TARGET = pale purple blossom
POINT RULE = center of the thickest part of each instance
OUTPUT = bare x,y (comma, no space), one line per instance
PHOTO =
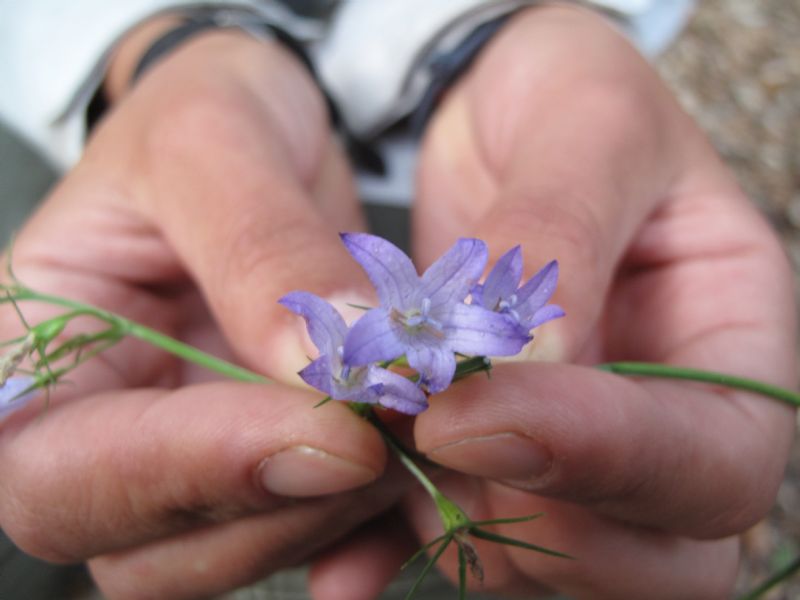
15,393
425,318
328,373
526,305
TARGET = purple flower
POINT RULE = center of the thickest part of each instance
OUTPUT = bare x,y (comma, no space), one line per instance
15,393
425,318
526,305
368,384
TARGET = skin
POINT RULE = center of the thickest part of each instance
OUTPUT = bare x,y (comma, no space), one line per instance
215,186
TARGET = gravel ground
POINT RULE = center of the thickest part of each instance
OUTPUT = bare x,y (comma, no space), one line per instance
737,70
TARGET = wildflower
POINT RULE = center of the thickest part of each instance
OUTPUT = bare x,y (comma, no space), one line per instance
368,384
425,318
15,393
526,305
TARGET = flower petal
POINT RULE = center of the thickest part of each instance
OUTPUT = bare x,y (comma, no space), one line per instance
372,339
318,375
398,392
503,279
451,277
436,365
388,268
326,327
366,394
477,331
538,289
16,393
477,295
544,314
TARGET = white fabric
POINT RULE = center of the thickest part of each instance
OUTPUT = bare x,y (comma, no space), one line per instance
53,53
367,37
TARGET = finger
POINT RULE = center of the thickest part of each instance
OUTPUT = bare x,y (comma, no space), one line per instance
363,565
222,557
250,243
128,467
565,157
610,560
250,207
682,458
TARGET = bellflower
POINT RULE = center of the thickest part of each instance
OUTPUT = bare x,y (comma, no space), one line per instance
15,393
526,305
367,384
425,318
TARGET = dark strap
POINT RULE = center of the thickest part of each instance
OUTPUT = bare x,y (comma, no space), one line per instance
447,67
175,37
171,40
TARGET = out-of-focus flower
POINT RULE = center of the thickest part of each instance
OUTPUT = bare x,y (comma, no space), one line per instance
15,393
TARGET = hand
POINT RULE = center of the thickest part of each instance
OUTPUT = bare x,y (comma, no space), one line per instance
562,139
215,184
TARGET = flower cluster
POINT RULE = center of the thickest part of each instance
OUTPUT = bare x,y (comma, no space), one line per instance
426,319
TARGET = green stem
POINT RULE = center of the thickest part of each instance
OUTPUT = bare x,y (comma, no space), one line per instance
402,455
775,579
668,371
194,355
730,381
151,336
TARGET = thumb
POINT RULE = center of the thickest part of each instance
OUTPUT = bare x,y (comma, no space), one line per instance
248,208
561,157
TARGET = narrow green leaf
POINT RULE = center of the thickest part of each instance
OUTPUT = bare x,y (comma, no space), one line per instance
428,566
422,551
501,539
508,520
775,579
325,400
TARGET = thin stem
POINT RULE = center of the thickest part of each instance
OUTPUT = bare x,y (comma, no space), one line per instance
151,336
462,574
775,579
190,353
668,371
405,459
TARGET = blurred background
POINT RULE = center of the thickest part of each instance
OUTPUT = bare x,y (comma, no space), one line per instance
736,69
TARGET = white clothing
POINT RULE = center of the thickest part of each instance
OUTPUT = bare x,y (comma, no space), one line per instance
55,52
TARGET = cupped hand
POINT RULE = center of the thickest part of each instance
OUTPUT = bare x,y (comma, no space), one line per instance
213,188
562,139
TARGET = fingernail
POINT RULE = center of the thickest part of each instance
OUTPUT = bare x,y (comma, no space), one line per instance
497,456
302,471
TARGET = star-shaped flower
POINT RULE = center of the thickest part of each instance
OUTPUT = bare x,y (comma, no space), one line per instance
526,305
425,318
367,384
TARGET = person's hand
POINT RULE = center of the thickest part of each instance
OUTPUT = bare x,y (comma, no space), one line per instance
561,138
211,190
